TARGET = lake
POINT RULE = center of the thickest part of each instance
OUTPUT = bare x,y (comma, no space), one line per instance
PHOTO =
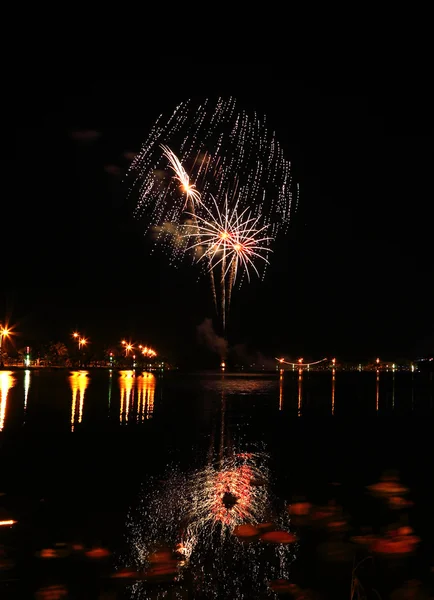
80,451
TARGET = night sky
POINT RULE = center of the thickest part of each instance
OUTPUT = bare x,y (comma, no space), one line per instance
352,278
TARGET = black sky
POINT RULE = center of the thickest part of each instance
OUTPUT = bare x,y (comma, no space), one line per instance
353,277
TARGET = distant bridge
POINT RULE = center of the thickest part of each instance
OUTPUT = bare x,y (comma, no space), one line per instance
300,362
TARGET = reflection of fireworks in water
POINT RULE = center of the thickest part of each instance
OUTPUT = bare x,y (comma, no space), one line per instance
225,496
196,514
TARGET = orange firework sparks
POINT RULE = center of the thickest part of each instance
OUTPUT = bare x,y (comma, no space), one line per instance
207,515
232,495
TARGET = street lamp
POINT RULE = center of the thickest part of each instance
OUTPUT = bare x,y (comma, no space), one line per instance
149,352
4,333
82,341
127,347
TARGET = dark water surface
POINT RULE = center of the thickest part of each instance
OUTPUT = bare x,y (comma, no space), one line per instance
76,447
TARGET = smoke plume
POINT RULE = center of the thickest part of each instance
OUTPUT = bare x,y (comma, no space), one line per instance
253,359
208,337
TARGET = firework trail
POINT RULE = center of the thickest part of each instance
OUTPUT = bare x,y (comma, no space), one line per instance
193,196
181,175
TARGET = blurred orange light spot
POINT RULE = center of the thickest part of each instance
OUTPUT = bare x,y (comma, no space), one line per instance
98,553
279,537
246,531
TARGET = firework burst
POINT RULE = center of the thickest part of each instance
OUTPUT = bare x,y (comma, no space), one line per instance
220,150
228,240
221,153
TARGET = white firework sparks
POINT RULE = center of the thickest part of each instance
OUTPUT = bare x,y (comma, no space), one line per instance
214,151
230,239
213,148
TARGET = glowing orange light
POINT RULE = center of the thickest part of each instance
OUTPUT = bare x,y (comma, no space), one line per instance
7,381
97,553
5,332
300,360
78,381
75,334
7,523
145,396
126,384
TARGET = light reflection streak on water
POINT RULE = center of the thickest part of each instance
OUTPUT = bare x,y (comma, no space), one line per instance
412,391
300,391
333,390
140,387
26,388
7,381
110,388
126,383
393,391
377,391
145,395
241,385
78,380
281,390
